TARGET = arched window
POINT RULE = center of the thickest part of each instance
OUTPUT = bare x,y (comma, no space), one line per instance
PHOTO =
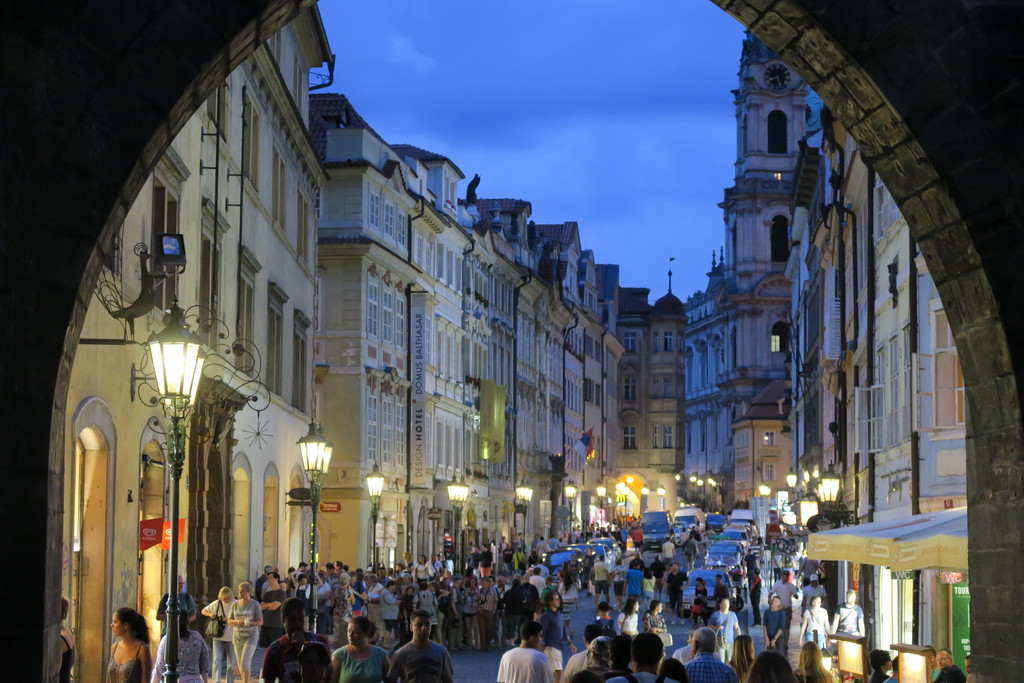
780,238
777,143
780,338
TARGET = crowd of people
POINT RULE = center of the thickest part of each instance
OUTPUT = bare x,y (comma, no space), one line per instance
399,623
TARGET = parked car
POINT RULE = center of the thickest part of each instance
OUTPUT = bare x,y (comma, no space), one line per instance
733,533
554,559
715,522
709,579
610,544
726,554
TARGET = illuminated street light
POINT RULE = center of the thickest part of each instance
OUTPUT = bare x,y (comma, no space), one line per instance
458,492
315,452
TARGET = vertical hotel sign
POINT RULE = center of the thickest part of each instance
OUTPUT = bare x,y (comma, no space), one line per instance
418,309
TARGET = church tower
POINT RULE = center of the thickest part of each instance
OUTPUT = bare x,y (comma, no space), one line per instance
737,329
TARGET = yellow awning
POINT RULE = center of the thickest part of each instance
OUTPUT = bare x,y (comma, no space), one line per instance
935,540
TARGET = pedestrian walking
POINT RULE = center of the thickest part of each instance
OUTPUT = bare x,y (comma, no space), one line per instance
526,663
246,616
223,665
360,661
420,659
193,655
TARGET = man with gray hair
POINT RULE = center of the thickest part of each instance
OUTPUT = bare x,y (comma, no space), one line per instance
705,668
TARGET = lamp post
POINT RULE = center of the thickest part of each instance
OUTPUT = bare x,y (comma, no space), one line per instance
458,492
315,451
178,359
570,498
661,495
374,487
602,491
524,494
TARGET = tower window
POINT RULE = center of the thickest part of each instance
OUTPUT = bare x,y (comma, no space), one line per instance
780,338
777,143
780,238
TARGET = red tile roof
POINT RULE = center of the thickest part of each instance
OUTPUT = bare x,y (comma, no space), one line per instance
563,233
332,110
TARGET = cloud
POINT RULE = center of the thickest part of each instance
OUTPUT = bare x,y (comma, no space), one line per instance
402,51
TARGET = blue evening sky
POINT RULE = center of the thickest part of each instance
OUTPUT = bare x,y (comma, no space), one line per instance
617,115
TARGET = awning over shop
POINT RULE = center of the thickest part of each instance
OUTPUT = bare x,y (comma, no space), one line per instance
936,540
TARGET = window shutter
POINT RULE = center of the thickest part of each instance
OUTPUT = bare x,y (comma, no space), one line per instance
923,401
869,414
833,319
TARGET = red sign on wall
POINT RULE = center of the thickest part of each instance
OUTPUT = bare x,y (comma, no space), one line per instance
166,542
330,506
149,532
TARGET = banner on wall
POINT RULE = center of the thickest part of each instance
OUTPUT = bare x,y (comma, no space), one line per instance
492,421
165,543
150,531
418,394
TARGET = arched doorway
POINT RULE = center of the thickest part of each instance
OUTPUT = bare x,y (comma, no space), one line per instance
241,492
271,516
91,562
295,527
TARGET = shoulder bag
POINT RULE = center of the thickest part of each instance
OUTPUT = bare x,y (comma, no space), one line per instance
215,627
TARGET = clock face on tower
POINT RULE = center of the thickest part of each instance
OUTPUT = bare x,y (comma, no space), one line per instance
776,77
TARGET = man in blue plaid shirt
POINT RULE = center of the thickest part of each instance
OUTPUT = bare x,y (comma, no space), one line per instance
704,668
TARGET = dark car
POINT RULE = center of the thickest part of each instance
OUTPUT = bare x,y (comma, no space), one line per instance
715,522
554,559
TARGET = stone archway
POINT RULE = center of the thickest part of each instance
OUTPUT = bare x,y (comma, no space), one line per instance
932,95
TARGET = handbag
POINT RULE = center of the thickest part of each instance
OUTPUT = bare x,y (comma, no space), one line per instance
666,639
215,627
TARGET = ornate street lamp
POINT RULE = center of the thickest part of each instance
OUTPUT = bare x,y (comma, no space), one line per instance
570,497
602,491
315,451
791,480
178,360
458,492
828,487
764,490
524,494
374,487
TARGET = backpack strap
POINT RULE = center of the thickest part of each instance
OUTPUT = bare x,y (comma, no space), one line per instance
631,678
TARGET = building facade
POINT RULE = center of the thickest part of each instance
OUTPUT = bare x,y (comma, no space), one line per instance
886,412
235,191
652,400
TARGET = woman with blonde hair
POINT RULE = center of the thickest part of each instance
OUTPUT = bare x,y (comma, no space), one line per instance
223,652
247,617
810,667
742,656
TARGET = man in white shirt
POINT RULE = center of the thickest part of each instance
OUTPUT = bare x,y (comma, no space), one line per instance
526,663
591,633
537,579
787,591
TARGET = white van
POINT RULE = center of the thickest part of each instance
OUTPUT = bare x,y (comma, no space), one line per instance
742,517
688,517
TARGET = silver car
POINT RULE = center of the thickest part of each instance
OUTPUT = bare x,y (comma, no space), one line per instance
709,580
726,554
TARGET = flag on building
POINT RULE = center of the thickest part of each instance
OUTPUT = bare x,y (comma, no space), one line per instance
585,446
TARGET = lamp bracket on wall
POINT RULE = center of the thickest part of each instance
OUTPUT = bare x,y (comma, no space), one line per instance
110,288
